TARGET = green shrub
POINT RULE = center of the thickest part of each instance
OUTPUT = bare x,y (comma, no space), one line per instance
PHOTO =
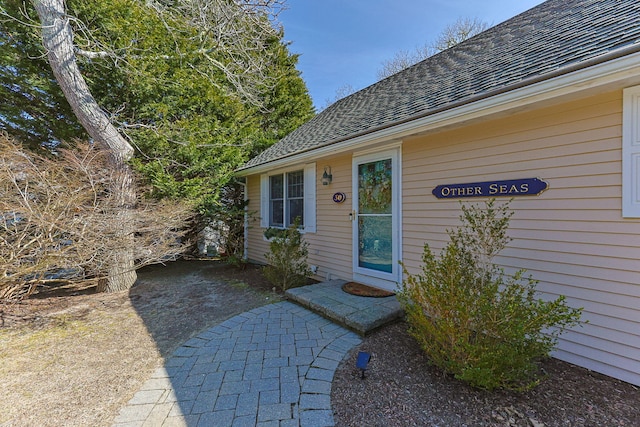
474,321
272,232
287,258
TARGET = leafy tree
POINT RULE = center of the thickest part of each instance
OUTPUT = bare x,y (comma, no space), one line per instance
34,109
228,221
451,35
159,89
286,105
195,87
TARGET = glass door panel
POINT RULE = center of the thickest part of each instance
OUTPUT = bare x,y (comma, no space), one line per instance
375,207
375,243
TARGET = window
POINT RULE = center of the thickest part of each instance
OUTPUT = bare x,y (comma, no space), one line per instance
288,195
286,199
295,197
276,201
631,153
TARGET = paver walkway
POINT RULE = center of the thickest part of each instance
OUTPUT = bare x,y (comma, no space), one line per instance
271,366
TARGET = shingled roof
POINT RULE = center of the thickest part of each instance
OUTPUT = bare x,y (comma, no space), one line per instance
554,38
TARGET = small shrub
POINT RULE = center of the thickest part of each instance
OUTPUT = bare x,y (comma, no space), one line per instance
474,321
287,259
272,232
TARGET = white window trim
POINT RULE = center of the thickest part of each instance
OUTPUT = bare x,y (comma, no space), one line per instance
309,196
631,152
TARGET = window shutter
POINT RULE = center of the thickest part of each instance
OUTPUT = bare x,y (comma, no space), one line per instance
264,201
310,198
631,153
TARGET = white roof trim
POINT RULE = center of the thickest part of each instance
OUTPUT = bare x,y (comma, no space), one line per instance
624,70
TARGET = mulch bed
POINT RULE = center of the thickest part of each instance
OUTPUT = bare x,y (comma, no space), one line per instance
401,389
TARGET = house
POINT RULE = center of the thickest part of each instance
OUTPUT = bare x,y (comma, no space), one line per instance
548,100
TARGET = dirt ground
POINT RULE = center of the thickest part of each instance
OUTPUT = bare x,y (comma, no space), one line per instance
72,357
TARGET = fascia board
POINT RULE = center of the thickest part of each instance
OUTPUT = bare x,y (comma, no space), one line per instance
624,69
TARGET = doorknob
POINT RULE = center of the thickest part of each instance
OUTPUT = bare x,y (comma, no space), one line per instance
352,215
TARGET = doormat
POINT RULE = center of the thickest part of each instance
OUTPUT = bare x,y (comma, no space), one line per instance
361,290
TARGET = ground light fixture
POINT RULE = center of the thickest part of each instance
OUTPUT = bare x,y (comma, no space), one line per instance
363,361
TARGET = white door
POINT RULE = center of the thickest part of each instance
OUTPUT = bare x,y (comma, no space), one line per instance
376,219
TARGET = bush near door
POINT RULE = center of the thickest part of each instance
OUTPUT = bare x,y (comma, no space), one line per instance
474,321
287,258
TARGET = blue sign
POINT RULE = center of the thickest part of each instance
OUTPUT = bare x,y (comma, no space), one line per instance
508,188
339,197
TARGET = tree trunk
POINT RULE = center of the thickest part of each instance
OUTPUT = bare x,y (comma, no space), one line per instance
121,273
57,37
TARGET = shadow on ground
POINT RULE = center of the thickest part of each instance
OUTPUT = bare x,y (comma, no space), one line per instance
230,359
182,298
176,302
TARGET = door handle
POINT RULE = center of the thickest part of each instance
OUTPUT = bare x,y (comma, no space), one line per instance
353,215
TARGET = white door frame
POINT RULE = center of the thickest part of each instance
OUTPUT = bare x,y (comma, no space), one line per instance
371,277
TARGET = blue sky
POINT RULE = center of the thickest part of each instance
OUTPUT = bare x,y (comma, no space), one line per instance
344,42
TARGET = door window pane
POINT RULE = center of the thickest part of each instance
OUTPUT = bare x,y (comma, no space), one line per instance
375,243
374,187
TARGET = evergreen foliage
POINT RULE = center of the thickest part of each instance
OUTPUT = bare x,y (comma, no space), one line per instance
474,321
153,73
287,258
33,109
229,222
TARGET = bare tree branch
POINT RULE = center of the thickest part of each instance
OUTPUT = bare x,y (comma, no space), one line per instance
238,31
59,219
457,32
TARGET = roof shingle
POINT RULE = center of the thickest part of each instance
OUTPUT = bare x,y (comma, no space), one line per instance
541,42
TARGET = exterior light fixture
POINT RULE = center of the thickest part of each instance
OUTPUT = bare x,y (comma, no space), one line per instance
327,177
363,361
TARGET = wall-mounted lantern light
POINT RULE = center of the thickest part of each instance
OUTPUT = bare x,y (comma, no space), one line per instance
327,177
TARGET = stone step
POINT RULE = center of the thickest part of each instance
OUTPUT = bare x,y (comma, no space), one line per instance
360,314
